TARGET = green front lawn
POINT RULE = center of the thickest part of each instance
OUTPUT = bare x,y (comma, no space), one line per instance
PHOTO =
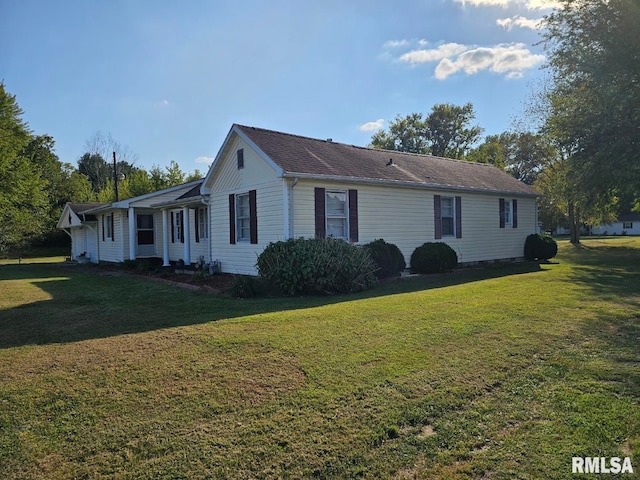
506,372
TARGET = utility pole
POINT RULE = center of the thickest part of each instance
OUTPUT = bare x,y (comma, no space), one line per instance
115,177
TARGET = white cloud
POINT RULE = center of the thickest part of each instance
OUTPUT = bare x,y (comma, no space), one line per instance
396,43
530,4
510,60
425,56
207,160
519,21
164,103
372,126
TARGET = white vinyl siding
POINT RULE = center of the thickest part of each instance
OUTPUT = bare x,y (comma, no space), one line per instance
404,216
230,178
241,257
112,250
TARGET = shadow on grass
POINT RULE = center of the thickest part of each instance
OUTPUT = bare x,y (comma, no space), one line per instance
608,271
612,273
84,306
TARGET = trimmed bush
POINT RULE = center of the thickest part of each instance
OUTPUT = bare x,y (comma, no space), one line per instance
316,266
388,258
433,257
540,247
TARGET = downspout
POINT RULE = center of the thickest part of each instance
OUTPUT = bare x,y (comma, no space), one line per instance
291,206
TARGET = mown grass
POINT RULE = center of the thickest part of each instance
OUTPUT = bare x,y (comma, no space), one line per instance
506,372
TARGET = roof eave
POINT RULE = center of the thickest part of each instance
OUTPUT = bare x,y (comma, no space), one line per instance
184,202
401,183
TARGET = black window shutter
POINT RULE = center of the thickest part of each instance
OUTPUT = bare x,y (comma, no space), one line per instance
181,226
458,217
232,219
103,228
113,231
197,226
173,233
253,217
501,202
319,207
353,215
437,216
514,213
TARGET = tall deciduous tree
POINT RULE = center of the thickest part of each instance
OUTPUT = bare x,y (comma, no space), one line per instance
521,154
593,48
449,131
405,134
23,198
445,132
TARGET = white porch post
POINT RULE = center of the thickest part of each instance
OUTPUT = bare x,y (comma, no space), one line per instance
132,233
165,238
187,239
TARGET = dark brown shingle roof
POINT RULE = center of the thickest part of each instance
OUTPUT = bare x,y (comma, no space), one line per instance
312,157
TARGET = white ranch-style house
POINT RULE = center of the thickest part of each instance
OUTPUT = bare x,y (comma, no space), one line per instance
265,186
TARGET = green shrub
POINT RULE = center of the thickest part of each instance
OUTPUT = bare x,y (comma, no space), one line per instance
540,247
244,286
432,257
388,258
316,266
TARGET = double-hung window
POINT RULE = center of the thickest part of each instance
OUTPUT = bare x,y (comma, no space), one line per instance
508,218
448,216
508,212
243,225
337,214
203,223
177,231
107,227
627,225
243,217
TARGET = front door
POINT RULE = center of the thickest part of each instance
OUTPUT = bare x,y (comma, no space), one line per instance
145,235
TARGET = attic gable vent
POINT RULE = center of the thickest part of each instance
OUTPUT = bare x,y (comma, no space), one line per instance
240,158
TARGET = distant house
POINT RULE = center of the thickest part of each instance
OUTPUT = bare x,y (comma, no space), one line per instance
265,186
628,224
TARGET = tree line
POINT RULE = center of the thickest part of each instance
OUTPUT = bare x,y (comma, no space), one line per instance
35,184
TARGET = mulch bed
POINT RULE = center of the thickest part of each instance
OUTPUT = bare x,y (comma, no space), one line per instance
217,284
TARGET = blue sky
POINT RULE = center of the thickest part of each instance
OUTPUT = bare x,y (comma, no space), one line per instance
168,79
